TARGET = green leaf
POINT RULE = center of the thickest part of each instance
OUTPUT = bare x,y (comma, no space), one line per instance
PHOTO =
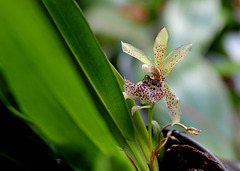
98,72
140,129
92,60
48,89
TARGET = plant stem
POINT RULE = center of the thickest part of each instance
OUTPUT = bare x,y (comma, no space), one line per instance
159,134
150,113
142,135
154,164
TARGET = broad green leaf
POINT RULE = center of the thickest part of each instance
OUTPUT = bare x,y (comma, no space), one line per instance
92,61
99,73
141,131
7,98
48,89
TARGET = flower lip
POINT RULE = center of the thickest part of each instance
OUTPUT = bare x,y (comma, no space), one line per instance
148,90
147,81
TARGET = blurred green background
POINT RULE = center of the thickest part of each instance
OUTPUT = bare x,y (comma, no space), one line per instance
207,81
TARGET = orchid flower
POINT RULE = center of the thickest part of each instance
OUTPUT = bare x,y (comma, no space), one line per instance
152,89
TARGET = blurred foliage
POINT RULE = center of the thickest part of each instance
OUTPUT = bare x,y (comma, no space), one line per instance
207,81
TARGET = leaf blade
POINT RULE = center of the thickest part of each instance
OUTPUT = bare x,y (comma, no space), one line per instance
47,87
94,63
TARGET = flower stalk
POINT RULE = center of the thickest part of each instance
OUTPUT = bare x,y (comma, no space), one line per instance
150,114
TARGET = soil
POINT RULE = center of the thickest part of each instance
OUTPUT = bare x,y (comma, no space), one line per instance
180,155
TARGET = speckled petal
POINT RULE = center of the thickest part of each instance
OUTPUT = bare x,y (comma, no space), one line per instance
174,57
137,53
146,91
159,48
173,104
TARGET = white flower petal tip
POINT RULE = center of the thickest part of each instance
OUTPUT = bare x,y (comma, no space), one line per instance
123,45
136,108
164,31
188,47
